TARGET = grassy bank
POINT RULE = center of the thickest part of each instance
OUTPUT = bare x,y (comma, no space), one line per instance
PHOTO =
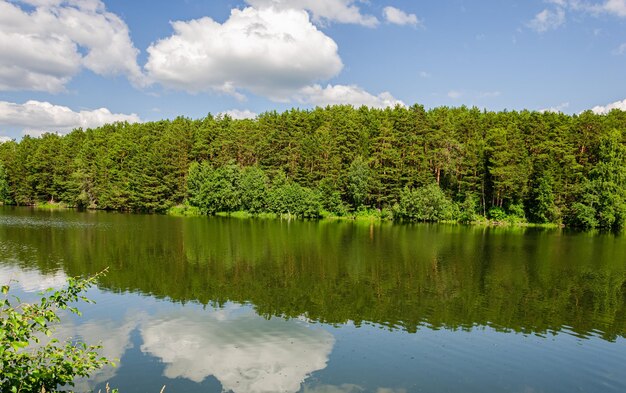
365,215
50,205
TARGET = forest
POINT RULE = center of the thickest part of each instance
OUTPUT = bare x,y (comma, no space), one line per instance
403,163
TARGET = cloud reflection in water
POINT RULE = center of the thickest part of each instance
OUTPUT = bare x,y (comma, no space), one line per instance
245,352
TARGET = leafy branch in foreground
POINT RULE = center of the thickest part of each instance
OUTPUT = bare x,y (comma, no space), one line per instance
30,362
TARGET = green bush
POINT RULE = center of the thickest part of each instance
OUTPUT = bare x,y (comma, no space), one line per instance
583,216
214,190
358,182
330,198
497,214
424,204
253,185
28,365
467,210
5,190
516,214
292,199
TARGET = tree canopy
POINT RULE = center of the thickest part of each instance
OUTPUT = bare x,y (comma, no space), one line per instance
542,167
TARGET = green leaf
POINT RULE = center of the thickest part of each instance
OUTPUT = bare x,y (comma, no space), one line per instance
17,345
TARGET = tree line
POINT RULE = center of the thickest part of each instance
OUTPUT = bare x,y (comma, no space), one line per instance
404,162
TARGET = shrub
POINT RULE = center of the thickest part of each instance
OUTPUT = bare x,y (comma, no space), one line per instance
287,197
467,211
497,214
254,186
330,197
424,204
516,213
583,216
26,364
214,189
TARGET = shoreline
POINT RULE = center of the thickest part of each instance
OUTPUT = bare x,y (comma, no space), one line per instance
368,216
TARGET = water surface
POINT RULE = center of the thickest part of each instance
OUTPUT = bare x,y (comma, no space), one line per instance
218,304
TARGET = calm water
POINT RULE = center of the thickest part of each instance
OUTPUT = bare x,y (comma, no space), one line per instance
212,305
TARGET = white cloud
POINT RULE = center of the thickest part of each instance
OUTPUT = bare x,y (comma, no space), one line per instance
556,109
5,139
424,74
342,11
269,52
548,20
36,117
31,280
399,17
615,7
44,48
238,114
113,335
454,94
343,94
620,50
601,110
243,351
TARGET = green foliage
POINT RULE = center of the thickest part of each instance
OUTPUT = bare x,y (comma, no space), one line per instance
30,364
542,206
184,211
292,199
516,213
351,157
608,182
214,190
222,190
330,197
497,214
358,182
467,210
509,164
583,216
424,204
5,191
253,186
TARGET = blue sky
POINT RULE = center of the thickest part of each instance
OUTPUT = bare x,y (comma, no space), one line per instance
71,63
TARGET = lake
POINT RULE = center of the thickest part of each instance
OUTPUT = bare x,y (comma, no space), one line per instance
223,304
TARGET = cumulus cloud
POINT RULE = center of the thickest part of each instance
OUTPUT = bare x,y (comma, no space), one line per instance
31,280
345,94
36,117
342,11
547,20
42,49
240,114
113,335
399,17
601,110
272,52
243,351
